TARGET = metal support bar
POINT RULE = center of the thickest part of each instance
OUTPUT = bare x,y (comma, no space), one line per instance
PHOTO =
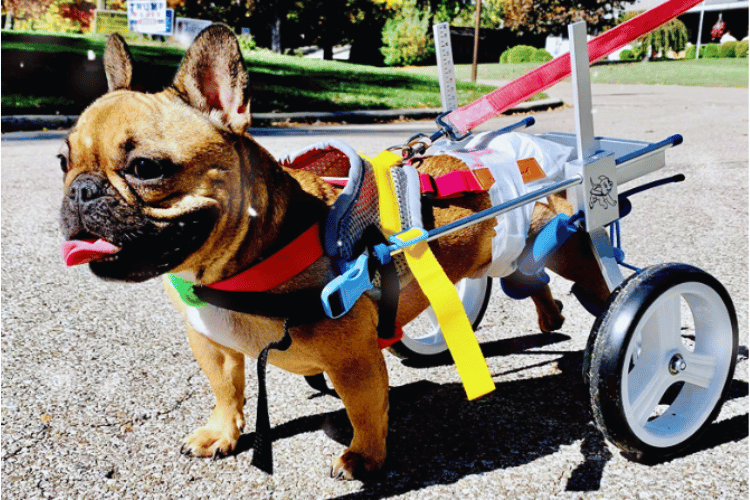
503,207
579,62
605,257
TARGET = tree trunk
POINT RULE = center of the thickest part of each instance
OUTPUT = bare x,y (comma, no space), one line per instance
328,52
276,33
8,21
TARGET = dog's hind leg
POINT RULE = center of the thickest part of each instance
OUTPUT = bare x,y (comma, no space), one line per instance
225,370
549,310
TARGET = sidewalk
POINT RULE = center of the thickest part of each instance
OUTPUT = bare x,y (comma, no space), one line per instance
20,123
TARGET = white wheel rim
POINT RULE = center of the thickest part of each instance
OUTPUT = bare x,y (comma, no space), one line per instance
423,334
657,358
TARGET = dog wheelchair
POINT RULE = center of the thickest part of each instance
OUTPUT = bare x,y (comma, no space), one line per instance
655,385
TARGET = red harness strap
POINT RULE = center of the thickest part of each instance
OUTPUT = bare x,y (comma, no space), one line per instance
476,180
279,267
456,183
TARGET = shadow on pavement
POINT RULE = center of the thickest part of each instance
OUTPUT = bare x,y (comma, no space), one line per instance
436,436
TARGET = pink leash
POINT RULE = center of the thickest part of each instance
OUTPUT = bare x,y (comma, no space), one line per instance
470,116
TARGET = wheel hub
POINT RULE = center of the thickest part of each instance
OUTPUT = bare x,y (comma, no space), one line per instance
677,364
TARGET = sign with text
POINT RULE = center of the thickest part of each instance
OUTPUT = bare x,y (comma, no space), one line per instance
151,17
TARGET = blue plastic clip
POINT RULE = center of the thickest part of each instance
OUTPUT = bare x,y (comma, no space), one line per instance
399,241
342,292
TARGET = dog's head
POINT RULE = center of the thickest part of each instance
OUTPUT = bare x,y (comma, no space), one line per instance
159,177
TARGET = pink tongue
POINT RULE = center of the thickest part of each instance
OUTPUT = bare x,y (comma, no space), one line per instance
77,252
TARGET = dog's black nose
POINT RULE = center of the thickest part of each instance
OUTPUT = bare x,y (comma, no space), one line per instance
86,188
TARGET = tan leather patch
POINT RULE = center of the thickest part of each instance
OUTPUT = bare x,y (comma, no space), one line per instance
484,176
530,170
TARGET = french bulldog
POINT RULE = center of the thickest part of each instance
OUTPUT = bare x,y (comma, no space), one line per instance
171,182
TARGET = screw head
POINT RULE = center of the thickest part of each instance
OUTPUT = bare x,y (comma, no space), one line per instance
677,364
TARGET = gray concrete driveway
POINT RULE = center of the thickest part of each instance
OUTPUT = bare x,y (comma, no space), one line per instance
99,385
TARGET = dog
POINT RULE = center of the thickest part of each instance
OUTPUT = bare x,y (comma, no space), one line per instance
171,182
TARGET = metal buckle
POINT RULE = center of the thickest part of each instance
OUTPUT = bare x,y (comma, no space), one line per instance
448,129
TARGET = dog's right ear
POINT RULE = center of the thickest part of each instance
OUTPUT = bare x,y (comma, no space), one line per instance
213,79
118,63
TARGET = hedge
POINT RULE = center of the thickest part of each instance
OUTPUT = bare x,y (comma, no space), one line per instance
728,49
627,55
742,48
541,55
521,54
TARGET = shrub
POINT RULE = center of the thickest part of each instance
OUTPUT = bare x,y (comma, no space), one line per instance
742,48
247,44
690,52
504,56
710,51
541,56
521,54
728,49
627,55
407,40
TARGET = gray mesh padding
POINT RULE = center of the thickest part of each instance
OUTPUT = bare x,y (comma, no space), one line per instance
354,210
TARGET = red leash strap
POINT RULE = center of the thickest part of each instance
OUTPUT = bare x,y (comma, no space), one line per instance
474,114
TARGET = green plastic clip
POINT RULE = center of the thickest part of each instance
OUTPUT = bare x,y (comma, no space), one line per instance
185,289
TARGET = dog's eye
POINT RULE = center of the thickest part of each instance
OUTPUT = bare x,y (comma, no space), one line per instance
147,169
63,163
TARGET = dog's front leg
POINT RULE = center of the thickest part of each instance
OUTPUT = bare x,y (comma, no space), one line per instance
363,388
225,369
358,373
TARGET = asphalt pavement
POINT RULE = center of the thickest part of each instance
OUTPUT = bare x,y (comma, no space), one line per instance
99,385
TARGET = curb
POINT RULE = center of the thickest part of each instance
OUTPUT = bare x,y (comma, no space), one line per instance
26,123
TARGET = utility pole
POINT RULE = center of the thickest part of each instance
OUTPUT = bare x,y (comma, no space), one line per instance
476,41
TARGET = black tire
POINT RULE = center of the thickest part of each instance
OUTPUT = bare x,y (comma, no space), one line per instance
412,350
662,368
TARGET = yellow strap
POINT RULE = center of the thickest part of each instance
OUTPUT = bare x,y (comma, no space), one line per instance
442,294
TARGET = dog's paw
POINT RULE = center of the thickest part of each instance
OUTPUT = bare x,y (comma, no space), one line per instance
551,321
350,465
210,442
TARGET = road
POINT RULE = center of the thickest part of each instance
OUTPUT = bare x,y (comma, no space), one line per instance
99,385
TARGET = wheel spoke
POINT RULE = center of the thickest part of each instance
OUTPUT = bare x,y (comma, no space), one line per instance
648,396
700,369
669,323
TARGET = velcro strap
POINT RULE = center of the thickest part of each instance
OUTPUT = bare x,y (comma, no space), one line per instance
442,294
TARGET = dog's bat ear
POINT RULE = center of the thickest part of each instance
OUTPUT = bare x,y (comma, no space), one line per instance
118,63
212,77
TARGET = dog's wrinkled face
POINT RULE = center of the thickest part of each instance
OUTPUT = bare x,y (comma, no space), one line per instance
148,173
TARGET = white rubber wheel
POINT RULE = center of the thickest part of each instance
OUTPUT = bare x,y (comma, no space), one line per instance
423,337
661,359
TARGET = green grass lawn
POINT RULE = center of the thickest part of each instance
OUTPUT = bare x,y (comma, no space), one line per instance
278,83
288,84
701,72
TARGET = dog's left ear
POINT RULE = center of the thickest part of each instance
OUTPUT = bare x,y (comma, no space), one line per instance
118,63
212,77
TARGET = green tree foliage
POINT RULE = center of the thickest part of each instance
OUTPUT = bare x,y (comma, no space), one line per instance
407,39
671,35
553,16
